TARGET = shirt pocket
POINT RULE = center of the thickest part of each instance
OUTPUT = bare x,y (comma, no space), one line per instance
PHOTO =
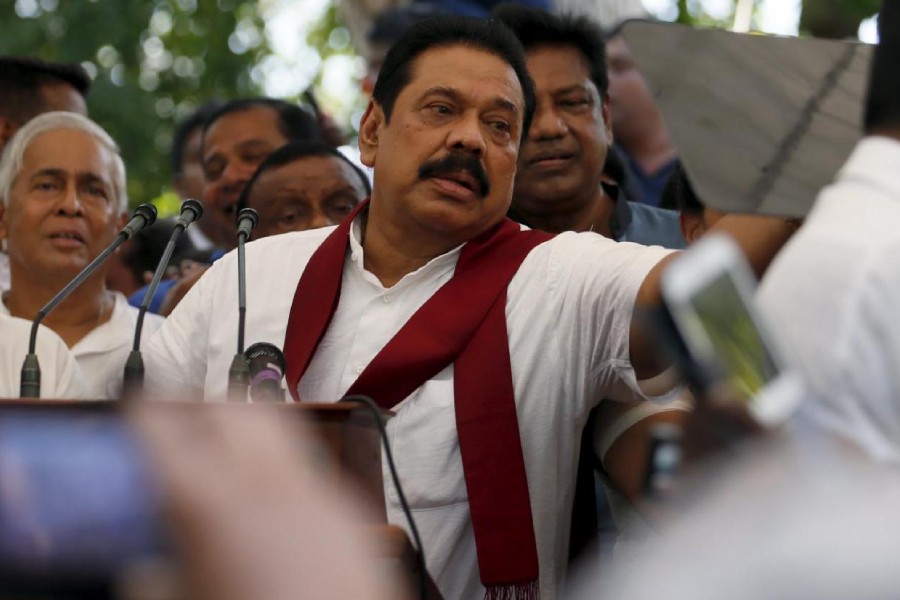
425,445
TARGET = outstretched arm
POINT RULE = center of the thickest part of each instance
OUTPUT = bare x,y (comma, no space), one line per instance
760,239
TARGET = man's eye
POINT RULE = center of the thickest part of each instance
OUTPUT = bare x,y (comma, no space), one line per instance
288,218
575,102
96,190
253,158
501,126
342,209
440,109
46,185
213,171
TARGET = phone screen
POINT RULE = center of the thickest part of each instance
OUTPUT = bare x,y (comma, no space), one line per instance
76,497
720,330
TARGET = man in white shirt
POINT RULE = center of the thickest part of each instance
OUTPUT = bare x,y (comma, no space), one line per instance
442,131
833,293
60,376
62,183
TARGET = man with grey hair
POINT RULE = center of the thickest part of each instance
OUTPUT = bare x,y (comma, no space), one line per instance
62,183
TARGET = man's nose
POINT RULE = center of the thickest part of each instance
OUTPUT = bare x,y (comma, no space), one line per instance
70,202
237,173
320,219
547,124
468,134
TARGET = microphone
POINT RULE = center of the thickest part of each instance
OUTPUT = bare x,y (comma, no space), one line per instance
133,380
247,220
267,366
239,372
30,378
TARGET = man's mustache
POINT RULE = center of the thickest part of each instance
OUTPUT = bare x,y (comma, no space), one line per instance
455,163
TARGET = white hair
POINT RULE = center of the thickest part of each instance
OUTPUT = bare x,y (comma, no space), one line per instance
14,153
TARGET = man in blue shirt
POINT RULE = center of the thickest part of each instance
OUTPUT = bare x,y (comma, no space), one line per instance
562,182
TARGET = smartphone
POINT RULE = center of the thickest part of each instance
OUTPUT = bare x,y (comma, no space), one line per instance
78,503
708,292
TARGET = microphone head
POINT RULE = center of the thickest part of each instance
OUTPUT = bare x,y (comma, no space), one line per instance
248,213
148,212
192,205
263,353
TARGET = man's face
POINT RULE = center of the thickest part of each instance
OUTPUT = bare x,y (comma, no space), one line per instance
444,164
566,148
62,211
630,98
189,183
53,97
311,192
62,96
235,144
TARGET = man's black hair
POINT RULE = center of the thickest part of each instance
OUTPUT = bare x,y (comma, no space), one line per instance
883,99
21,80
535,27
185,129
296,151
391,23
678,193
294,122
488,35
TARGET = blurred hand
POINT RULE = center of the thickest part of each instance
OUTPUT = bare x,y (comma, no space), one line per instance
249,516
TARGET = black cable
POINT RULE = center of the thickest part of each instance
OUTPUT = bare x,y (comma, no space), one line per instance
420,552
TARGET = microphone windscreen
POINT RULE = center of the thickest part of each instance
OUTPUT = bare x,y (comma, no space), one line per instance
148,211
192,205
262,354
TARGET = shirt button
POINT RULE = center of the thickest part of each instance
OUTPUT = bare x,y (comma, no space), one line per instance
359,369
386,298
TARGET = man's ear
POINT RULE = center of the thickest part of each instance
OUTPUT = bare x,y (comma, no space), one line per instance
607,119
692,226
370,127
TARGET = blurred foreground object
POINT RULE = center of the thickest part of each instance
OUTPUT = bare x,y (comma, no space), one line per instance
251,516
792,516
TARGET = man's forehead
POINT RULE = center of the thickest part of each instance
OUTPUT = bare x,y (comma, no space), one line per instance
617,48
559,67
245,125
464,70
49,151
322,167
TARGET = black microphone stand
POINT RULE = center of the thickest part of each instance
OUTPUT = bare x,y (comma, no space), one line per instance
30,381
239,372
133,378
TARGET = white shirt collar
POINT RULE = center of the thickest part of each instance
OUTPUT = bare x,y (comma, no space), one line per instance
439,263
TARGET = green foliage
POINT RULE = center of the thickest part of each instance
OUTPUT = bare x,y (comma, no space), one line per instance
153,63
836,19
332,41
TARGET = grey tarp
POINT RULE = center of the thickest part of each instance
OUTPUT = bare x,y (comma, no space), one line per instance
761,123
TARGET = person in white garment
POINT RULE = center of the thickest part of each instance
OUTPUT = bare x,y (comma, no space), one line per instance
833,293
60,377
490,343
62,185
